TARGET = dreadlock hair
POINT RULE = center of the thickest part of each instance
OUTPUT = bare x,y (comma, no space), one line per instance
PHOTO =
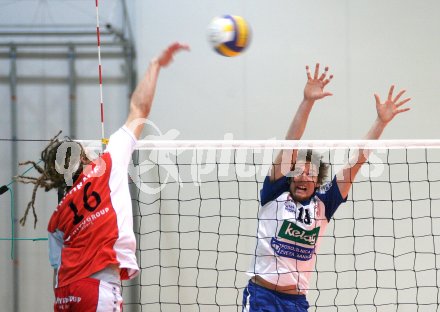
323,167
49,177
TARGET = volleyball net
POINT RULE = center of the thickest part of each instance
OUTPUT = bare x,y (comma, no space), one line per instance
196,217
196,207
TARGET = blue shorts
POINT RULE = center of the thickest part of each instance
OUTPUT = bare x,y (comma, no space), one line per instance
258,299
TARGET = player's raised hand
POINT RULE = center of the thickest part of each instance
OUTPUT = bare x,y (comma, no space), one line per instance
314,89
167,55
387,110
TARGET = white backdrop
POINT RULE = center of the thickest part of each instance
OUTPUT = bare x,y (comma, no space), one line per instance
367,44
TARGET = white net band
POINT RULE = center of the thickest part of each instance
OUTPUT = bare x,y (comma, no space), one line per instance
275,144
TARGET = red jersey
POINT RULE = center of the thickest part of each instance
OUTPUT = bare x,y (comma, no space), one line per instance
92,226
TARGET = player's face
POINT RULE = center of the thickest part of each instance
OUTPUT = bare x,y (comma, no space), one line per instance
304,181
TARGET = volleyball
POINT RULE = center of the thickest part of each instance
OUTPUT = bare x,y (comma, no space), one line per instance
229,35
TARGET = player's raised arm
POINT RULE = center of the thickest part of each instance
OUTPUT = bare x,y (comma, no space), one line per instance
386,111
142,97
313,91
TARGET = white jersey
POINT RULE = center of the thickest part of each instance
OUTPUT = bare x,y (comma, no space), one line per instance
289,232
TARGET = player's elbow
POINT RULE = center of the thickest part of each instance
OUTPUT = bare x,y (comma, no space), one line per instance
140,108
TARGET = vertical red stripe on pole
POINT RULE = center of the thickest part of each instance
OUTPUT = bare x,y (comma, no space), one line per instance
100,74
102,112
96,3
98,35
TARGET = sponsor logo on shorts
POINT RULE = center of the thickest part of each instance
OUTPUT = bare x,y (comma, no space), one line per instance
66,300
293,232
287,250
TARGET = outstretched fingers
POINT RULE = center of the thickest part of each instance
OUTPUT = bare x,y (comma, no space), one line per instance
395,101
324,74
316,71
316,76
316,82
403,102
377,97
309,75
326,94
402,110
399,95
167,56
390,93
390,107
177,46
326,81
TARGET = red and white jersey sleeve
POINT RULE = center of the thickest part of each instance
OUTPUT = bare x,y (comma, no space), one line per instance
96,217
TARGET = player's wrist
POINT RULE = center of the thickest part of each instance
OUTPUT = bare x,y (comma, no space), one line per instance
308,101
379,126
155,62
381,123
